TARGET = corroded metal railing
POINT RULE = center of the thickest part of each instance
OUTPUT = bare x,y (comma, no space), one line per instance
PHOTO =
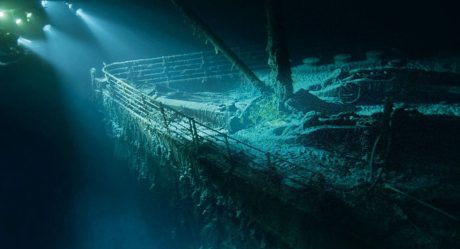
189,67
184,129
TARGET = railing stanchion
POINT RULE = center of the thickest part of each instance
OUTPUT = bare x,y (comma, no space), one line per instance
143,101
165,120
192,133
149,110
227,145
194,130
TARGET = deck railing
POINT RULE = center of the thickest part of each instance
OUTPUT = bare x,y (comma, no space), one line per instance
181,127
189,67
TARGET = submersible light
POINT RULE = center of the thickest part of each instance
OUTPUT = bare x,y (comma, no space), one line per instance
2,14
18,21
47,28
79,12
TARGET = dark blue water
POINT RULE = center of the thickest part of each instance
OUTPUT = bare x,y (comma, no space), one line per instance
62,187
60,184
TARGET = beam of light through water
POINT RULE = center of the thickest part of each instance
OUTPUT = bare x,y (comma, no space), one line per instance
123,37
71,58
67,53
23,41
36,47
58,14
72,54
108,35
118,40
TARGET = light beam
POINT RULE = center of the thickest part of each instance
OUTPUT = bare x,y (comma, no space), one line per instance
116,40
35,46
24,42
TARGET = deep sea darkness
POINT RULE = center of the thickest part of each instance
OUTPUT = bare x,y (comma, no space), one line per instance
52,195
60,184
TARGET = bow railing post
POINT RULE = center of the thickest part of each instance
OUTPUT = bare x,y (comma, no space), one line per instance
165,120
192,133
195,132
227,145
